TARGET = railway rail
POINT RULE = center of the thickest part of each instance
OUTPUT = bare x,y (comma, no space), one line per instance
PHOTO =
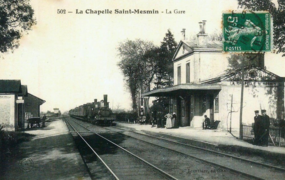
209,150
123,164
256,170
249,168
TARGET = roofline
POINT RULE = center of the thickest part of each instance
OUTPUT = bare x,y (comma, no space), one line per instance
37,97
183,56
184,87
194,50
222,77
208,50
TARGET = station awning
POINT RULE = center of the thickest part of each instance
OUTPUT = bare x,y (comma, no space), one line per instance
170,91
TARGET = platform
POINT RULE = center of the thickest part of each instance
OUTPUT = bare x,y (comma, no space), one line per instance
208,138
46,153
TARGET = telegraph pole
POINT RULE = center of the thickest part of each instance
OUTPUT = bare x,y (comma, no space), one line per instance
241,99
231,113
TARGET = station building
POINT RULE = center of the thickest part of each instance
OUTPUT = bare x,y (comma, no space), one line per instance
17,105
203,85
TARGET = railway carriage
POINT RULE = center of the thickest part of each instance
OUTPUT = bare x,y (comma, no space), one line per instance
96,112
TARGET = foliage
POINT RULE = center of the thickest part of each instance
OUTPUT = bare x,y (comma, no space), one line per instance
235,61
136,68
16,17
278,15
126,116
164,57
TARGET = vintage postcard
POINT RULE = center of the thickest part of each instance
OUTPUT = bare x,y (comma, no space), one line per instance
121,89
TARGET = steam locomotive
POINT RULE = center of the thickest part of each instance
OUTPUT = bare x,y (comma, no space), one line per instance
95,112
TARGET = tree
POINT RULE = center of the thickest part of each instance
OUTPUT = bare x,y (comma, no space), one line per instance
16,17
165,65
278,15
135,65
235,61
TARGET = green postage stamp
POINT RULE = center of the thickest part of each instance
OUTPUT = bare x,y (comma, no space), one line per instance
247,31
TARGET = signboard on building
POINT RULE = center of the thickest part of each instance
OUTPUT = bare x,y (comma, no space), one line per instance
247,31
7,112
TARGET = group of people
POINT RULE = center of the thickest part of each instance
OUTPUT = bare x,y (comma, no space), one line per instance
160,120
261,128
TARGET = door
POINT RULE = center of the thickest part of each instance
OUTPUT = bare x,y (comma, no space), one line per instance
188,110
211,99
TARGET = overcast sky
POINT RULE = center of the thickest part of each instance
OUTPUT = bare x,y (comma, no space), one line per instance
71,59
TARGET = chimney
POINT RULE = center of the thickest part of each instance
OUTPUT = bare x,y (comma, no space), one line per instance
183,33
202,36
204,26
105,100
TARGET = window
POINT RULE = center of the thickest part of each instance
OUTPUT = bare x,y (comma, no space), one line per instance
179,75
188,72
217,104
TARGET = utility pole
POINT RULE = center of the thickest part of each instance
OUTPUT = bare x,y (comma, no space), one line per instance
231,113
241,99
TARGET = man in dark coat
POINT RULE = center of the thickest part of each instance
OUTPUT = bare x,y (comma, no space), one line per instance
159,119
264,128
256,128
44,121
207,123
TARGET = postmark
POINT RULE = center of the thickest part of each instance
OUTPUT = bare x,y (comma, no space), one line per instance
247,32
27,164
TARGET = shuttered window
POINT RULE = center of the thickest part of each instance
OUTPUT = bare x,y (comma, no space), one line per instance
188,73
179,75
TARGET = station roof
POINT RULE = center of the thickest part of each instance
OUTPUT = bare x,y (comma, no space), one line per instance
171,91
10,86
35,98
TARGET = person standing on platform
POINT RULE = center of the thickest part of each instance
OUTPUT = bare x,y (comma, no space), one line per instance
265,123
173,119
168,121
159,119
44,121
154,118
256,127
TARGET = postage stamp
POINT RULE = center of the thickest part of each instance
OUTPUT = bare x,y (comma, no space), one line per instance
247,31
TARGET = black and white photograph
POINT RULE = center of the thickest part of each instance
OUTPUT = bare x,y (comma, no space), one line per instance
141,89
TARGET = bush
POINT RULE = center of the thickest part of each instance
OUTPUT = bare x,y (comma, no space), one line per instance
7,139
126,116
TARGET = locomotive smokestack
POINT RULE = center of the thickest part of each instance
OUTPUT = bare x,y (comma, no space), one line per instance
105,100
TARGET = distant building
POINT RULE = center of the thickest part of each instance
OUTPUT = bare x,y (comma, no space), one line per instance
16,104
56,110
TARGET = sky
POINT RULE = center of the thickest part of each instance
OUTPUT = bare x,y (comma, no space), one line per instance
71,59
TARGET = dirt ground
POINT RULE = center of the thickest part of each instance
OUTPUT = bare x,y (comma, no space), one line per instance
43,153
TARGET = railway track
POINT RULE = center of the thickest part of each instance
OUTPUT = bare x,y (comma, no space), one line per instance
251,169
121,163
207,150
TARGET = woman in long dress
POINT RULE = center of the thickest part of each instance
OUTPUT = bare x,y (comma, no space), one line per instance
173,119
168,121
